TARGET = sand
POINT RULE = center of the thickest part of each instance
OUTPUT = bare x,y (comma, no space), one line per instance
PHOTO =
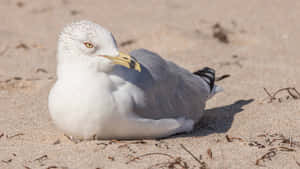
258,47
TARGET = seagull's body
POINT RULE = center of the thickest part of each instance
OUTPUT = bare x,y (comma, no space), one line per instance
96,98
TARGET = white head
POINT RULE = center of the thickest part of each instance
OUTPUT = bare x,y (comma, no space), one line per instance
86,44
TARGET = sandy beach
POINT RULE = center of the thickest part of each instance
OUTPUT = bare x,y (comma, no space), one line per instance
252,45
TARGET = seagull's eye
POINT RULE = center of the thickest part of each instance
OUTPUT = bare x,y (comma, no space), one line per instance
88,45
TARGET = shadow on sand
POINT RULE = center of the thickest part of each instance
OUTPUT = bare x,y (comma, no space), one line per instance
217,120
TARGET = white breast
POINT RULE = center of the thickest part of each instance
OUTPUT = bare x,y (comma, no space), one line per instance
78,110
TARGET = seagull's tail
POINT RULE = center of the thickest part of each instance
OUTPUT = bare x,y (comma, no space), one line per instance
208,76
215,90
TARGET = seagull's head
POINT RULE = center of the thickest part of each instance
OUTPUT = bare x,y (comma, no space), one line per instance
85,43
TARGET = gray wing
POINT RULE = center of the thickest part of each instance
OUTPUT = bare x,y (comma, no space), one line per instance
170,91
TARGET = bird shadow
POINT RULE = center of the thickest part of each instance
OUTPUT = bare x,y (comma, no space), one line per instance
217,120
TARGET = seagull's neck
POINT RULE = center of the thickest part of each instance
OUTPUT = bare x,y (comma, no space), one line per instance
79,70
71,70
72,65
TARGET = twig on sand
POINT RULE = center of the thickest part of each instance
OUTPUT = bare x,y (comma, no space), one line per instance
203,164
256,144
42,70
285,149
149,154
269,155
7,161
52,167
272,152
73,139
209,153
170,164
230,139
292,91
134,142
269,94
270,139
16,135
42,158
188,151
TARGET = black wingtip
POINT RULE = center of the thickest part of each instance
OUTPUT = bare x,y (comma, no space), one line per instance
208,75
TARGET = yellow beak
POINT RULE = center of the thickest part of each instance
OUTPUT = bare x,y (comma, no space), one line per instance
126,60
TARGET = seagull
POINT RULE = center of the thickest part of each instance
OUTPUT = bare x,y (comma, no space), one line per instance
102,93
